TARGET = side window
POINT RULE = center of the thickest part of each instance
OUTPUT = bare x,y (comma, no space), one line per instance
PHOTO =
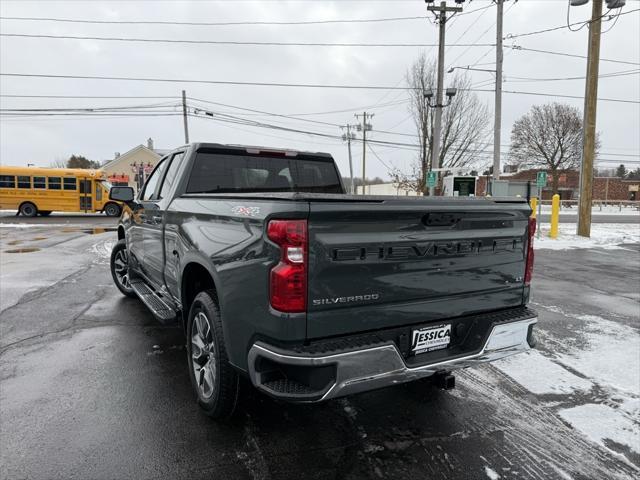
39,182
7,181
85,186
54,183
152,182
98,192
69,183
170,177
24,182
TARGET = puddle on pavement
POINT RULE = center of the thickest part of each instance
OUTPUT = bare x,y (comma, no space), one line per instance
95,231
22,250
38,238
90,231
14,242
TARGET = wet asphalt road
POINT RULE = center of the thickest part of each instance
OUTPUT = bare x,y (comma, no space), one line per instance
91,386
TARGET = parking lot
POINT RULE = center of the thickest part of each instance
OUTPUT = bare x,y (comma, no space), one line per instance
91,386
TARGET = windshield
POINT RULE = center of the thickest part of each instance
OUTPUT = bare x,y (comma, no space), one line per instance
106,184
224,173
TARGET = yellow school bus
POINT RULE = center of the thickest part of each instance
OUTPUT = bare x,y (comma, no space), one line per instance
32,191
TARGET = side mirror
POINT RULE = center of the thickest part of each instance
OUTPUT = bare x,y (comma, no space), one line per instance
121,194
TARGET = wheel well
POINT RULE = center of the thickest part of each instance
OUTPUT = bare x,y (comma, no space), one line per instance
120,232
195,279
32,203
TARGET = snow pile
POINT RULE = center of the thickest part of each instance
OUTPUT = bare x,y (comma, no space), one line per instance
603,235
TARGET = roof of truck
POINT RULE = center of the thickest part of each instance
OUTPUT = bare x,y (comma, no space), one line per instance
253,148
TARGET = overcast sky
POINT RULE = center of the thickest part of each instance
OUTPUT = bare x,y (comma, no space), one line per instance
41,140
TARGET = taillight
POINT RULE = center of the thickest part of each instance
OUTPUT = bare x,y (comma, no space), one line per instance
288,279
528,271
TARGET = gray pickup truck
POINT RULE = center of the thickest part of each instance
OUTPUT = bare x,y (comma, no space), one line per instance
278,276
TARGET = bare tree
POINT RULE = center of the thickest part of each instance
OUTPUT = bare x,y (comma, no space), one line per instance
548,137
464,123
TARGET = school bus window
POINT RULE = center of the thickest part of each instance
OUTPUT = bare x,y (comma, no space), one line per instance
7,181
69,183
54,183
39,182
24,182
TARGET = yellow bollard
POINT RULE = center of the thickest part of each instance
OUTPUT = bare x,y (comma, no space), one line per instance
555,216
534,206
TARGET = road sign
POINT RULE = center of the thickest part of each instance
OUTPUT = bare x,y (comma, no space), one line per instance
432,179
541,179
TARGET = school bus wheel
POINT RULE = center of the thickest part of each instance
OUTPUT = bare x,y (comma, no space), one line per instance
112,209
28,209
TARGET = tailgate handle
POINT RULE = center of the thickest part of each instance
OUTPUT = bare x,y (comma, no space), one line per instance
441,219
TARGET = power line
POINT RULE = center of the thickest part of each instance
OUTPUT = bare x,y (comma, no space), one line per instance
225,24
266,113
229,42
91,109
541,94
511,36
212,24
604,75
563,54
379,159
280,84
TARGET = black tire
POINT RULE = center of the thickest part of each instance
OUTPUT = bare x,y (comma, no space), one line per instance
44,213
221,398
28,209
112,209
120,260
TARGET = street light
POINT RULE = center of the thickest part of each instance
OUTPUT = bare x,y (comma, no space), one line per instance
451,92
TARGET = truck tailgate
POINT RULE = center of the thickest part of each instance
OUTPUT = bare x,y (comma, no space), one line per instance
384,263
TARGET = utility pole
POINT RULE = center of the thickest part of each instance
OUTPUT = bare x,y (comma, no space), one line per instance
441,17
589,121
348,137
363,128
184,116
497,117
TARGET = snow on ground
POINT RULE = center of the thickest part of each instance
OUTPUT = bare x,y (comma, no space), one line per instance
546,377
618,344
604,210
605,362
491,473
603,235
601,423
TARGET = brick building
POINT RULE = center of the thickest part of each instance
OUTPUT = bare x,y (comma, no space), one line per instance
604,188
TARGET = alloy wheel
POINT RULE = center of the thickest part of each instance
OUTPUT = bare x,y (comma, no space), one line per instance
203,354
121,268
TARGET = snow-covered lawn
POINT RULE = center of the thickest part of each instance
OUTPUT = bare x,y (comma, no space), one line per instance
603,235
597,210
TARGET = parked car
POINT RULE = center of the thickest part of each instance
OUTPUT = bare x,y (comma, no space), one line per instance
278,276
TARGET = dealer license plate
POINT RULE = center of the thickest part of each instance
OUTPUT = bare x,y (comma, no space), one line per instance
431,338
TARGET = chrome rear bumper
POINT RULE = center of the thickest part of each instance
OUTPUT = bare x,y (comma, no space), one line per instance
374,367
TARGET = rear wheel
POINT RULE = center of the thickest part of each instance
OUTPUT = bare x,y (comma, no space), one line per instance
112,210
28,209
120,268
214,380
